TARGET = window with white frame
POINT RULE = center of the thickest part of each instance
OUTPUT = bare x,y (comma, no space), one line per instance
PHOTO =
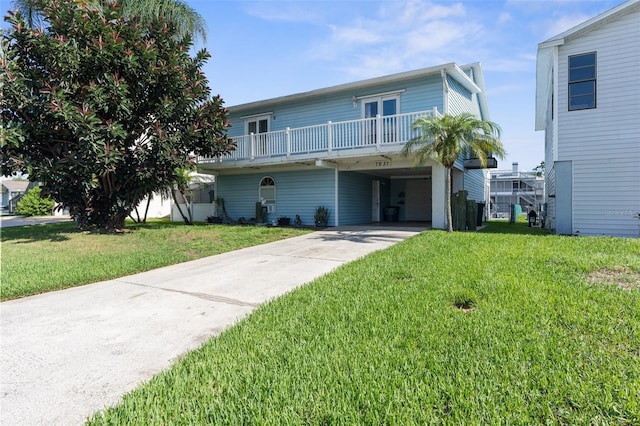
267,193
582,81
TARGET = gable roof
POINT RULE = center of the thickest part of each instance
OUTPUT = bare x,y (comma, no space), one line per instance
452,69
544,63
15,185
590,24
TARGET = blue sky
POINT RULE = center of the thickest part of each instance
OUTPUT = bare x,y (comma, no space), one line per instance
263,49
270,48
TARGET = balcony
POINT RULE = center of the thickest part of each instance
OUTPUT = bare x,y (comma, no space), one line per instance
367,136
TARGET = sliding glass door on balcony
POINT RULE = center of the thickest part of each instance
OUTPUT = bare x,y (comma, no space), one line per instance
380,123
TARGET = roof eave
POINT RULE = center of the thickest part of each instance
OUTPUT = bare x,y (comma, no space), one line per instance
590,24
482,90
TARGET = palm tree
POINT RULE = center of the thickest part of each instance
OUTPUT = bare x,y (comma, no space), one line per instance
447,137
187,21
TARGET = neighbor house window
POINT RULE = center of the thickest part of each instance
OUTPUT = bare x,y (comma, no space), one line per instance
582,81
267,192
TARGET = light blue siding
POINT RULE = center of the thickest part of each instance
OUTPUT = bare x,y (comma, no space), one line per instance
418,94
474,183
297,193
461,100
355,191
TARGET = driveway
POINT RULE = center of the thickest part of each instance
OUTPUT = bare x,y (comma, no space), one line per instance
66,354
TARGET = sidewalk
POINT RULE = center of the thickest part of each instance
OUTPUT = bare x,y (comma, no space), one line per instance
66,354
10,221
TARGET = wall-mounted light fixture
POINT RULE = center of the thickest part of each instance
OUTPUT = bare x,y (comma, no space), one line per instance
354,100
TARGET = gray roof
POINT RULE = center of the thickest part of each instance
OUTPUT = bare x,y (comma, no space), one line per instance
15,185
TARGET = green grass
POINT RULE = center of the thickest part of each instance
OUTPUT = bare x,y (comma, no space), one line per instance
42,258
462,328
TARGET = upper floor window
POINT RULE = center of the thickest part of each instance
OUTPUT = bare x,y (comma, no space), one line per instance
582,81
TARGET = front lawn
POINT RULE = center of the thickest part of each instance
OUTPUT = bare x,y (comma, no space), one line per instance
41,258
462,328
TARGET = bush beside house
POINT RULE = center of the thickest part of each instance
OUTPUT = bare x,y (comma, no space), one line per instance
34,204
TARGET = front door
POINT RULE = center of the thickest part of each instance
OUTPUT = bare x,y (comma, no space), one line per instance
375,201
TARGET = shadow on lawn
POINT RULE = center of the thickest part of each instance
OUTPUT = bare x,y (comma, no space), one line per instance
59,232
504,227
56,232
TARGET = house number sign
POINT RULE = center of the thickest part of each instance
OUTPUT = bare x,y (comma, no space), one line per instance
384,163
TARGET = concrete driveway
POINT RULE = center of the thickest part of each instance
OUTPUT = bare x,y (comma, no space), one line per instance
66,354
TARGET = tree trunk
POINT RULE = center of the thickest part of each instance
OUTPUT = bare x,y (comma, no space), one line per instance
175,200
146,210
448,201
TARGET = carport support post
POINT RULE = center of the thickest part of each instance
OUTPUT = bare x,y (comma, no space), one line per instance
438,197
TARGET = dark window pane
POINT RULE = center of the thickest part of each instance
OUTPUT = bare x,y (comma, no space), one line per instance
251,127
263,126
582,102
582,60
389,107
582,81
582,73
583,88
371,109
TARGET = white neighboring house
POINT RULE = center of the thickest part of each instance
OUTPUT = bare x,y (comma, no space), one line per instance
515,186
159,206
201,197
588,104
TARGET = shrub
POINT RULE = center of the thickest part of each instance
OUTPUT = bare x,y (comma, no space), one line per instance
34,204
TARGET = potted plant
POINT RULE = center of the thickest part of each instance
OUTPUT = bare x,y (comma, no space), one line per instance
214,219
321,216
284,221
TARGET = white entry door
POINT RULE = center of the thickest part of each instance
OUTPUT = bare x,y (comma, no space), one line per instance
418,200
375,201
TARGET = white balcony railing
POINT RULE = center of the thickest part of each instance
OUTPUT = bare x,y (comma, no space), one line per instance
372,133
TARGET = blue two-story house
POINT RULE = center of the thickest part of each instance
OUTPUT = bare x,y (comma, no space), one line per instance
341,147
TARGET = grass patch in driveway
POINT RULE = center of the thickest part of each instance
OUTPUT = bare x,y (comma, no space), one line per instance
41,258
462,328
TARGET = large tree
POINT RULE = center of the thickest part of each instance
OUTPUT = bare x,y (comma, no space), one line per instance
445,138
186,20
102,109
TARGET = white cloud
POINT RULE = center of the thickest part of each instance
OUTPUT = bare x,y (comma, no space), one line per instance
518,63
504,17
400,36
285,11
558,26
356,35
422,11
